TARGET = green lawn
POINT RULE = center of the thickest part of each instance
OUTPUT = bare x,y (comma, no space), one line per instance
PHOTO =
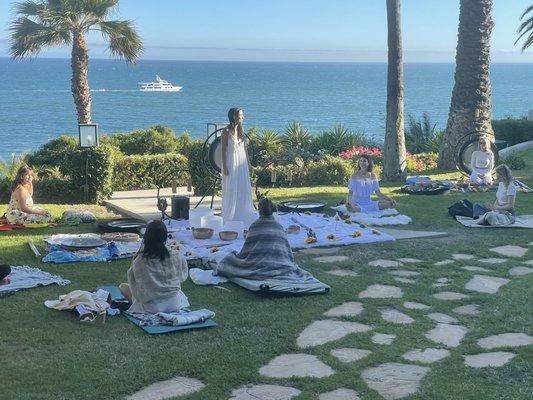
48,355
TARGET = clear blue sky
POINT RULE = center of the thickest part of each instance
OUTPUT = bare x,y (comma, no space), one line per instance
297,30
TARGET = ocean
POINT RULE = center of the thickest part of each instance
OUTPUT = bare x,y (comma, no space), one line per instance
36,104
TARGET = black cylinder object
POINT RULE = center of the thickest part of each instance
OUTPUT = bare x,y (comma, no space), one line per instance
180,207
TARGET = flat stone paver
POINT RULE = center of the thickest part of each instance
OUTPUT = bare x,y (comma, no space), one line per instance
412,305
298,365
343,272
486,284
340,394
439,285
475,269
409,260
495,359
330,259
404,280
317,251
447,334
493,260
510,251
327,330
528,262
461,256
394,380
444,280
404,273
264,392
469,309
348,309
383,338
427,356
385,263
348,354
174,387
450,296
442,318
396,317
518,271
443,262
505,340
381,292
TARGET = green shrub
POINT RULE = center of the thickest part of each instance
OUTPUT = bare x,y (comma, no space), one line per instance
514,161
53,153
513,130
5,189
267,145
329,171
150,171
420,135
202,178
339,138
297,141
157,139
57,190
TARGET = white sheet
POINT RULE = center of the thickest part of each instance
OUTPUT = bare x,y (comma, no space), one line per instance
24,277
521,221
385,217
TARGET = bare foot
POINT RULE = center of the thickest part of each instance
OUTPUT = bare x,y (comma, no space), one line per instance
5,281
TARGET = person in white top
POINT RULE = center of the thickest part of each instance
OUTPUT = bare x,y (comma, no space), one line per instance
482,163
505,195
237,203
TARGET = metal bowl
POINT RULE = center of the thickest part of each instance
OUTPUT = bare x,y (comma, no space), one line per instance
202,233
228,235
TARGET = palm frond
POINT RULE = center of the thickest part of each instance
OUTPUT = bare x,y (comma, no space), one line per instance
29,8
97,8
29,37
124,41
526,28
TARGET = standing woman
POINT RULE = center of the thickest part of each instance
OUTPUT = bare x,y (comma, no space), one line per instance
237,204
482,163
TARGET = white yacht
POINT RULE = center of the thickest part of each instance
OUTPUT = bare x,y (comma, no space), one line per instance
160,85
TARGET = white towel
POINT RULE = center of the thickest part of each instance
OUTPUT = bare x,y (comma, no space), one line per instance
24,277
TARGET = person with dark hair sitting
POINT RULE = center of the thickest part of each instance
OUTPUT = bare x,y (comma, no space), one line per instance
5,270
155,275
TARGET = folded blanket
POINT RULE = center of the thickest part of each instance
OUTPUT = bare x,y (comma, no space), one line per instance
385,217
25,277
184,317
100,254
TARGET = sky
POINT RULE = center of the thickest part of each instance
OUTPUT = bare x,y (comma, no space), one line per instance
295,30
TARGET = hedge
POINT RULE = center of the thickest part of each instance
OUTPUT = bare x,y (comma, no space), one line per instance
513,130
202,179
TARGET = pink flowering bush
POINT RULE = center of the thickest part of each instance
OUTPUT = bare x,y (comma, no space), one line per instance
353,153
421,162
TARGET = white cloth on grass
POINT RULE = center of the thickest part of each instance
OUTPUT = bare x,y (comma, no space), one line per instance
388,216
24,277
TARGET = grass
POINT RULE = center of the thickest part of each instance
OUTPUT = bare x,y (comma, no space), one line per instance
46,354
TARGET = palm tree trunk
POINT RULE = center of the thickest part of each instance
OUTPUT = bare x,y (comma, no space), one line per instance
80,82
470,108
394,153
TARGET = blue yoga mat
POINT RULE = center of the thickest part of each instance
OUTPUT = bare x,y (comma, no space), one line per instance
156,329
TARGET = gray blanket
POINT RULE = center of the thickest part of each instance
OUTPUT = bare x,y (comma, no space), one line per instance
266,255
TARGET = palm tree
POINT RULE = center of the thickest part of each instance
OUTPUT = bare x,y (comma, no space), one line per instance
46,23
526,28
394,154
470,108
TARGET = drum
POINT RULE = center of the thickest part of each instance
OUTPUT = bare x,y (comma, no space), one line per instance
215,155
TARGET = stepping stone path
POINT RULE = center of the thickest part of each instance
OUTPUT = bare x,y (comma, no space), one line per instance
348,355
298,365
404,280
411,305
493,260
343,272
469,309
446,334
340,394
383,338
324,331
330,259
394,380
443,262
396,317
385,263
495,359
381,292
442,318
505,340
349,309
510,251
485,284
475,269
427,356
460,256
409,260
264,392
174,387
320,251
517,271
441,282
404,273
528,262
450,296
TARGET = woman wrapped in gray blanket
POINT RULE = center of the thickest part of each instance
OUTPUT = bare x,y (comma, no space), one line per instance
266,253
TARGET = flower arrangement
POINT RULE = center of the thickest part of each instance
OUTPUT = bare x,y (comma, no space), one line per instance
331,236
188,254
213,249
357,234
310,239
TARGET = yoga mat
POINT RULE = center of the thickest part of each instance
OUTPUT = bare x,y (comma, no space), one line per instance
521,221
115,293
279,286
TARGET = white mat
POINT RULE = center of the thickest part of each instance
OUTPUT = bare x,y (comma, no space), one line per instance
385,217
521,221
25,277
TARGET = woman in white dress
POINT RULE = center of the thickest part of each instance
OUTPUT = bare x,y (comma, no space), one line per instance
482,163
237,204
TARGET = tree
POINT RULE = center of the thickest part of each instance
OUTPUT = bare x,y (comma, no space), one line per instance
526,28
46,23
394,154
470,108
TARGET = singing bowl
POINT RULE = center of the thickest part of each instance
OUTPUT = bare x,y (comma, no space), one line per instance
202,233
228,235
293,229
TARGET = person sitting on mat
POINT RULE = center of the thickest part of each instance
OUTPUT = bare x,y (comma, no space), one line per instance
505,195
482,163
155,275
20,210
5,270
362,184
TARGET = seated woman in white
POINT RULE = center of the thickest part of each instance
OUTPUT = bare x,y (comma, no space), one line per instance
21,210
482,163
505,195
362,184
155,275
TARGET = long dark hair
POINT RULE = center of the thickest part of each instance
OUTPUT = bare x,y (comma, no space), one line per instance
19,178
233,114
266,207
370,166
154,240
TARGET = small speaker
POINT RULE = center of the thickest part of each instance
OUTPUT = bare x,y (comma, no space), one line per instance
180,207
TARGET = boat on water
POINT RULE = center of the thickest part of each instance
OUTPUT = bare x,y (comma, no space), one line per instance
160,85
